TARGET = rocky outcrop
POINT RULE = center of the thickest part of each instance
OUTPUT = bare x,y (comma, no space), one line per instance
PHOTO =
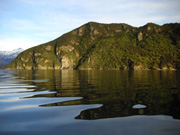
107,46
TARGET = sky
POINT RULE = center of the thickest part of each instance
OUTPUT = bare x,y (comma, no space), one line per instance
27,23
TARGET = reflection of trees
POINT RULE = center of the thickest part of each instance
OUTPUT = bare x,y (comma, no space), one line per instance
117,91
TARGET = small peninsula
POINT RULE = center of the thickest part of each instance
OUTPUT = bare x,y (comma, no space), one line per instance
107,46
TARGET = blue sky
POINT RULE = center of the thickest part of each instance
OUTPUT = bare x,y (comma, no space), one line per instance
27,23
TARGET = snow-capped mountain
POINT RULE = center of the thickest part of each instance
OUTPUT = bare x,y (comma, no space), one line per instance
7,56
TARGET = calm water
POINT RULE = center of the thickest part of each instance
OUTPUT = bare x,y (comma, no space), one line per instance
89,102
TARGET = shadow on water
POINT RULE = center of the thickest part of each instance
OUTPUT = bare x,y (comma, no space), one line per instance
116,91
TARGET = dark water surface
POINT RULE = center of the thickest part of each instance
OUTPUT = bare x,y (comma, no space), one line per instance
53,102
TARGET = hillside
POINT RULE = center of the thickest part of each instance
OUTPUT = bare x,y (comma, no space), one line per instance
107,46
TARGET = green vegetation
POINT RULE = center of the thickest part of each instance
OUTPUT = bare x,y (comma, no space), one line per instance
107,46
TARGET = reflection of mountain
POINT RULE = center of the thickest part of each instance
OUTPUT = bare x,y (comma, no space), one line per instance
117,91
121,109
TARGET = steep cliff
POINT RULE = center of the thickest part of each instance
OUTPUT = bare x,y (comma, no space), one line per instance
107,46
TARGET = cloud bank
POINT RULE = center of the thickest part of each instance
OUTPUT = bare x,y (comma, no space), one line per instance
26,23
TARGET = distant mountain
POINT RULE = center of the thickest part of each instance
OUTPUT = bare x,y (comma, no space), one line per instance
7,56
107,46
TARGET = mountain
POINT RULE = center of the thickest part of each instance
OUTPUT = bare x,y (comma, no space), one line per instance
107,46
7,56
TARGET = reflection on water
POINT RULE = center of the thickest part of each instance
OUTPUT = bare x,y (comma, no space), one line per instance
98,94
116,91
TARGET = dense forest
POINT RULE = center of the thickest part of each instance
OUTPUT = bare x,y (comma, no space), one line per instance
107,46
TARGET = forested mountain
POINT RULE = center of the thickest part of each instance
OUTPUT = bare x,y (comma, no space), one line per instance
107,46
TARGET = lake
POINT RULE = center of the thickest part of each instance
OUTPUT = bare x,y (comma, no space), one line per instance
55,102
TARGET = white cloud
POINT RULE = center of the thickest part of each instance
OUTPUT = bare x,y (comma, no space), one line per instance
23,24
9,44
31,22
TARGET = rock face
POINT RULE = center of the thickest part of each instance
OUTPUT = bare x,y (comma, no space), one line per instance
107,46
